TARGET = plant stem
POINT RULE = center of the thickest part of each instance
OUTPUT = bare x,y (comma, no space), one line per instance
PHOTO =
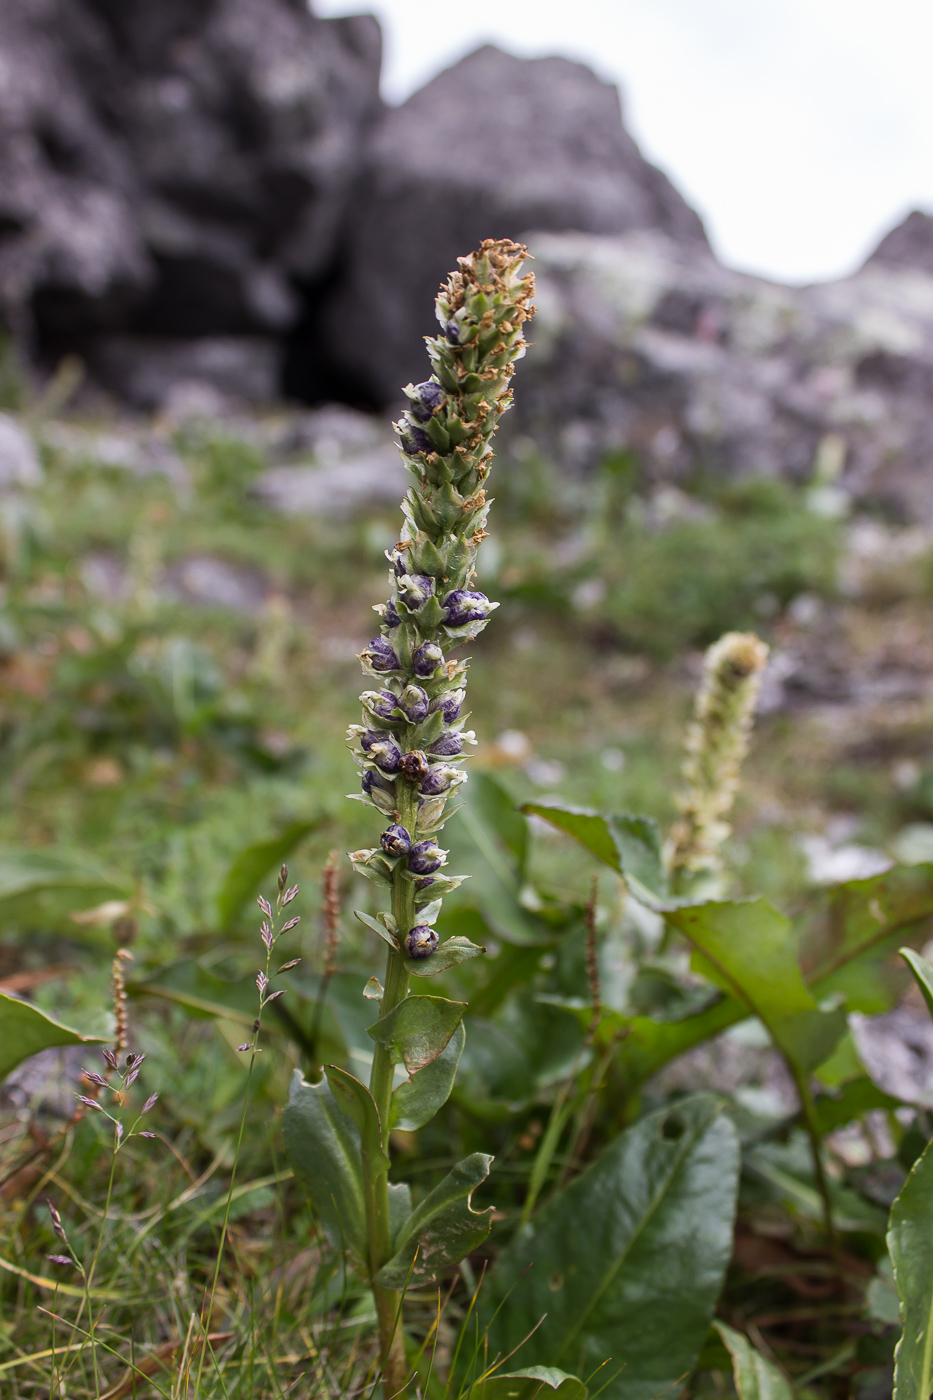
375,1177
813,1132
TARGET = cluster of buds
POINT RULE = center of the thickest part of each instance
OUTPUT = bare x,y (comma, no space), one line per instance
412,735
125,1072
717,742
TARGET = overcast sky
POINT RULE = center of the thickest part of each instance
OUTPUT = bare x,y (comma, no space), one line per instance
801,130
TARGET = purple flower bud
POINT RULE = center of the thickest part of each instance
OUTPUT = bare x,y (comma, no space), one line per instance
426,660
424,858
380,702
414,766
464,605
415,590
438,780
372,779
448,745
450,704
415,440
395,841
380,655
425,883
427,399
421,941
62,1259
452,332
414,703
390,617
384,753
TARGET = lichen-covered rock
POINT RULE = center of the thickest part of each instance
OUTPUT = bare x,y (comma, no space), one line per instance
646,343
431,190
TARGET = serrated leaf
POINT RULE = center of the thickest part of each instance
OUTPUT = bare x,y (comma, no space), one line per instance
323,1147
377,928
534,1383
629,1260
416,1101
630,845
359,1105
416,1030
443,1229
447,954
25,1030
910,1244
755,1377
250,867
923,974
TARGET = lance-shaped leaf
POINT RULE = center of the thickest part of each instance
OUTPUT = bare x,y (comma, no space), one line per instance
415,1102
755,1377
448,954
416,1030
861,914
201,992
910,1244
627,844
443,1229
25,1030
378,929
534,1383
358,1103
923,974
323,1147
750,950
628,1261
647,1045
250,867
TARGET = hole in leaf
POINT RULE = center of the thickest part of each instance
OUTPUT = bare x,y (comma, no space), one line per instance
672,1128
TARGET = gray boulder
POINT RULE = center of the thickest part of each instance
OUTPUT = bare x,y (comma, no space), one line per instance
645,343
173,169
492,147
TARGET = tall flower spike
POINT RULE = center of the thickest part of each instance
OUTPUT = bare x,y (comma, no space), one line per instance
717,742
412,728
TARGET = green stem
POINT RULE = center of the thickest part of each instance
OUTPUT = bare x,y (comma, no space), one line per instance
375,1177
813,1132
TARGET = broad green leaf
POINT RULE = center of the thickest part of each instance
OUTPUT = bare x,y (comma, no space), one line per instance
250,867
42,888
487,853
202,993
25,1030
629,845
629,1260
323,1147
923,974
750,950
358,1103
496,809
448,954
415,1102
910,1244
755,1377
443,1229
534,1383
856,1097
863,913
417,1030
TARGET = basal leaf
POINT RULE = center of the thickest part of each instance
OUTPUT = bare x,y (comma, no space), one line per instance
250,867
863,913
496,809
323,1147
358,1103
42,888
448,954
856,1097
923,974
443,1229
648,1045
755,1377
910,1244
628,1261
201,992
534,1383
629,845
417,1030
25,1030
415,1102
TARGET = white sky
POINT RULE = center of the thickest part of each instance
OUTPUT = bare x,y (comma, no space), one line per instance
801,130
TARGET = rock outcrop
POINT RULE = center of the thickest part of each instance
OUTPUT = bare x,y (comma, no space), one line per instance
495,145
174,169
645,343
